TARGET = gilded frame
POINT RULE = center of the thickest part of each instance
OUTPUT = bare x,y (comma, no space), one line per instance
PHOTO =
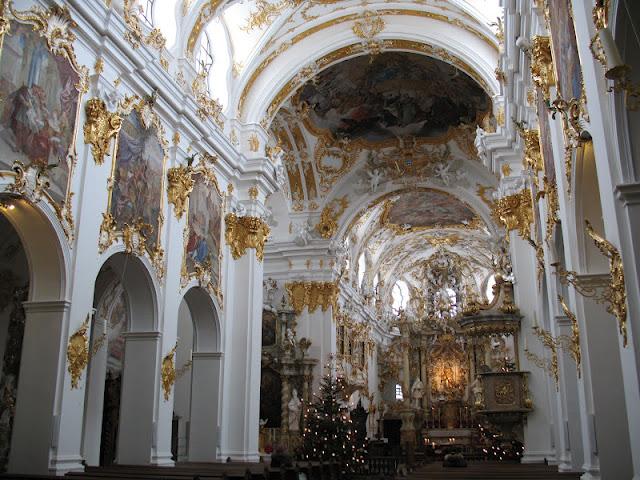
572,108
133,236
55,25
200,271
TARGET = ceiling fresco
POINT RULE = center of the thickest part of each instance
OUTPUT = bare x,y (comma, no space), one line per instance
389,96
426,209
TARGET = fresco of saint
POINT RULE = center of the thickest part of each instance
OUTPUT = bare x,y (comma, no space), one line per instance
40,101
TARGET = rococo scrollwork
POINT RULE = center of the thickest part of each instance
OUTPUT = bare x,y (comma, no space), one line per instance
168,372
246,232
542,72
78,353
615,294
312,295
515,212
331,213
181,179
99,127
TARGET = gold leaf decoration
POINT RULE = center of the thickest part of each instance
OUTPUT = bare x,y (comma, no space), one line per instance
246,232
168,372
99,127
312,295
331,213
78,353
515,212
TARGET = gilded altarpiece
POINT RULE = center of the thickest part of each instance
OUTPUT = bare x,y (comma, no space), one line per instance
203,236
136,186
41,88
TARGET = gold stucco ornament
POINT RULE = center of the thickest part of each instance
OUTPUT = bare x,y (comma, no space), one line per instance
168,372
312,295
99,127
515,212
246,232
78,353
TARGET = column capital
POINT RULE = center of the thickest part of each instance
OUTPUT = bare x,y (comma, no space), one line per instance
246,232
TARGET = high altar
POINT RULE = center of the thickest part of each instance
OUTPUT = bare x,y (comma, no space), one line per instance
453,366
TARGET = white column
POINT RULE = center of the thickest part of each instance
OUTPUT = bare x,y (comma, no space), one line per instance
618,230
95,398
36,424
538,428
205,395
319,327
241,377
140,380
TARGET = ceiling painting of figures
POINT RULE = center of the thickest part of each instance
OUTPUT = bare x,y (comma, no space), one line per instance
389,96
426,209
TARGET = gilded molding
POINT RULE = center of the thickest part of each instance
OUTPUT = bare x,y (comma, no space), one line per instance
542,72
78,353
515,212
246,232
572,343
312,295
331,213
168,372
615,294
99,127
135,35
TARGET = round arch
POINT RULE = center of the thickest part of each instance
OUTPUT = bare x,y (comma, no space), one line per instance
275,80
46,248
205,318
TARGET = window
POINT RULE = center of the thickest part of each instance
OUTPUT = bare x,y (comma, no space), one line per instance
146,11
400,295
205,55
399,395
362,267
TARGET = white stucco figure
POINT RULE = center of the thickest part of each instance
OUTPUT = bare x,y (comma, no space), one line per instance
375,176
294,407
417,392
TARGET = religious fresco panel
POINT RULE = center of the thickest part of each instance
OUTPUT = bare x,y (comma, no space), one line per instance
39,94
138,176
205,228
565,49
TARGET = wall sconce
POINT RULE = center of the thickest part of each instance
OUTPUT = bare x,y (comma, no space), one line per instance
604,50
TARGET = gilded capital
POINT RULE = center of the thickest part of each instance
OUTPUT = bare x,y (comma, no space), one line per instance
99,126
312,295
78,353
246,232
515,212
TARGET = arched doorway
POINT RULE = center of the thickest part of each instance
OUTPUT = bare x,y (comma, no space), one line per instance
198,361
33,254
121,380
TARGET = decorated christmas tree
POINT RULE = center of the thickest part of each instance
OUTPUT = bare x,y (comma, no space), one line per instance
329,434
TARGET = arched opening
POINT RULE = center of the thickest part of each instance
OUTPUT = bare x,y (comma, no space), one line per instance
120,379
197,389
600,336
32,286
14,287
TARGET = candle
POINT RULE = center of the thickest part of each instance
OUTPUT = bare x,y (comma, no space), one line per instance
525,343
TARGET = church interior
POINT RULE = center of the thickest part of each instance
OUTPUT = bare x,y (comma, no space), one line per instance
320,239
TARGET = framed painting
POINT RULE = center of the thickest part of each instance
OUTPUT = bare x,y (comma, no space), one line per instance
546,149
137,183
564,48
203,235
41,87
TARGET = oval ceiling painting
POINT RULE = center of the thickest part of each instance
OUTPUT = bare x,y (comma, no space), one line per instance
391,95
427,209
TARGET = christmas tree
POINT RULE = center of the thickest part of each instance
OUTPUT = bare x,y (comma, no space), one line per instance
329,433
